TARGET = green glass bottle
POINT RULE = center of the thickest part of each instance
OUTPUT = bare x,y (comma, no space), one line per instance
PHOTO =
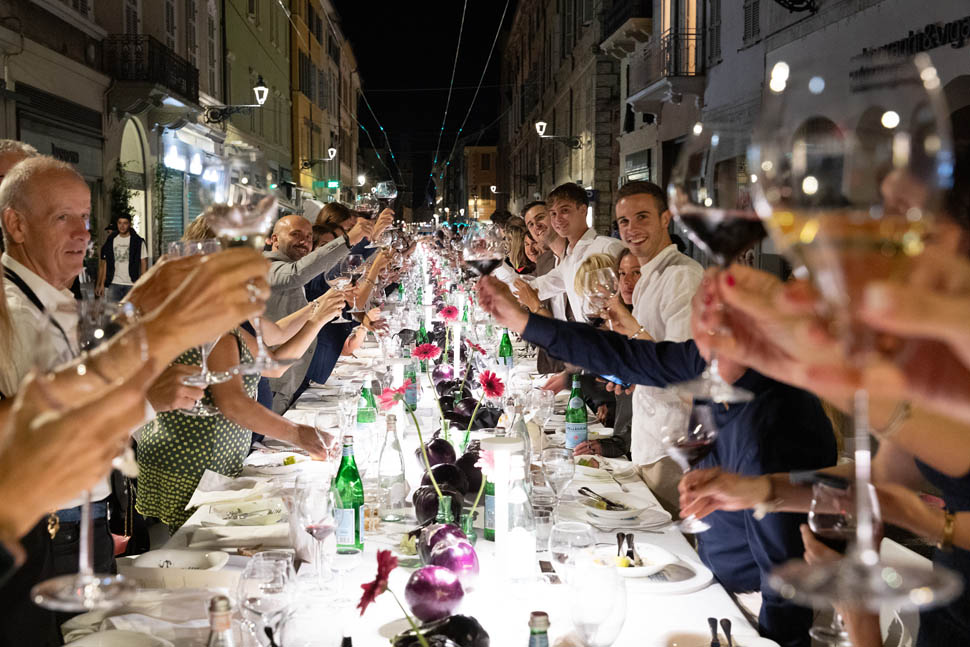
505,355
423,339
400,291
539,629
349,512
420,295
576,431
444,510
489,529
410,373
367,406
464,315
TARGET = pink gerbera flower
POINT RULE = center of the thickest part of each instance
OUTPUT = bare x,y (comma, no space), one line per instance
426,352
492,384
449,313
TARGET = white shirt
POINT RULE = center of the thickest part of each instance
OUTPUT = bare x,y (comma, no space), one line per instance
662,305
561,279
122,251
37,341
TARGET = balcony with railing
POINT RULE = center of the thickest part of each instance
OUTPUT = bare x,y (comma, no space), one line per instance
667,69
629,22
140,59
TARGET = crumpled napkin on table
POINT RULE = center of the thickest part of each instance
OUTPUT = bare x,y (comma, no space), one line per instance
216,488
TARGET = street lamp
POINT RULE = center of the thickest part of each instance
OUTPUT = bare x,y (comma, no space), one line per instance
218,114
361,179
308,164
569,140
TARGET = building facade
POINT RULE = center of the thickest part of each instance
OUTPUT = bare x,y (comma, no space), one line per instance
479,179
553,71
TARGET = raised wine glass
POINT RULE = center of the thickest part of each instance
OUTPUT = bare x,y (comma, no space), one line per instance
709,195
352,267
851,170
98,321
483,249
599,287
688,446
830,516
245,210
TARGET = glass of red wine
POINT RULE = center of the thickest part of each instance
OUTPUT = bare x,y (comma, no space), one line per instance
484,249
315,505
832,520
688,446
709,195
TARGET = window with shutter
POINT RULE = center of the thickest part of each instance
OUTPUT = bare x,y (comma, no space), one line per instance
752,19
173,209
170,24
212,53
132,17
714,32
191,32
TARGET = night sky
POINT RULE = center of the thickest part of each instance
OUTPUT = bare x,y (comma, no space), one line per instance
405,52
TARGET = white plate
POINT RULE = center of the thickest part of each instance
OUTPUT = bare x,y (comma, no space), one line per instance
198,560
271,463
655,559
647,519
635,506
119,638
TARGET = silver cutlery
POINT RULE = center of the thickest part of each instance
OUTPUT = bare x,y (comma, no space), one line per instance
714,641
609,470
726,626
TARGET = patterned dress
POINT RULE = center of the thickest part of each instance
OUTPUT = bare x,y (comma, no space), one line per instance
176,449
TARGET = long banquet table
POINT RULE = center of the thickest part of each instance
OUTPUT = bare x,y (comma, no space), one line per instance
658,614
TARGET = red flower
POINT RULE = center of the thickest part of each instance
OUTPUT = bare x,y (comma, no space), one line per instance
426,351
386,562
475,346
449,313
486,462
493,386
389,397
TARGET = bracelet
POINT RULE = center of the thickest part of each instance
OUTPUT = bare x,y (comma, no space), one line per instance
771,504
364,279
900,414
946,537
637,334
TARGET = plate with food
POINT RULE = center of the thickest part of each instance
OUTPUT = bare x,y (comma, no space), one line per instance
273,463
647,560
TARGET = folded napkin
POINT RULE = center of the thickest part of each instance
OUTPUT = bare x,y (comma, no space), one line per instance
276,535
216,488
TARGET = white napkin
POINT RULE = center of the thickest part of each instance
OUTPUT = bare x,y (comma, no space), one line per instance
216,488
276,535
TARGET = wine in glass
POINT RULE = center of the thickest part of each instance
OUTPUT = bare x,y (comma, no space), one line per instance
241,212
851,170
559,469
483,249
600,287
709,195
98,321
831,520
353,267
688,446
315,505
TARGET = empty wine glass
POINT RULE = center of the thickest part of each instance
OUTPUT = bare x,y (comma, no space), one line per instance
315,505
570,541
242,213
597,603
98,321
263,594
543,405
599,287
346,560
301,626
559,469
328,434
483,249
688,446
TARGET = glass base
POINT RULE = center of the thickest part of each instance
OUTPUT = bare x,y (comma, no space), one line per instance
260,365
692,526
202,380
866,586
832,635
201,410
79,593
706,387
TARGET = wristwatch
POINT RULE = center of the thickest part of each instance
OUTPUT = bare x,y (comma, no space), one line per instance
946,537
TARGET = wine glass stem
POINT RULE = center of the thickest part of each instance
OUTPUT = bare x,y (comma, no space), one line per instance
86,554
258,327
713,370
204,353
865,515
320,551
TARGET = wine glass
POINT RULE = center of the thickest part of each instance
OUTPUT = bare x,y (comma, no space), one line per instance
688,446
543,406
599,287
483,249
851,169
329,436
98,321
204,377
315,505
351,267
346,559
597,603
367,205
263,594
301,626
569,541
242,212
341,282
709,195
559,469
831,519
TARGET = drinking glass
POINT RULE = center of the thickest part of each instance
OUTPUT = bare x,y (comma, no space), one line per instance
205,377
559,468
597,603
688,446
851,170
345,561
830,518
350,268
340,281
263,595
245,209
328,435
315,505
483,249
543,405
599,287
301,625
569,542
98,321
544,525
709,195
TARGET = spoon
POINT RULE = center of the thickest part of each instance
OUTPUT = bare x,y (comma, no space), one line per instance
714,641
726,626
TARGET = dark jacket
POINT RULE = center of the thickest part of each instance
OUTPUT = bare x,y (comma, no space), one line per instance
134,257
782,429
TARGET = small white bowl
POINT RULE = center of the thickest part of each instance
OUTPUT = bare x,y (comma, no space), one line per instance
197,560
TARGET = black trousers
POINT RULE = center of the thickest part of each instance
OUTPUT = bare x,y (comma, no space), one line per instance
24,624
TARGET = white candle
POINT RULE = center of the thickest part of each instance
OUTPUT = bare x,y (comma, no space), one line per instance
456,345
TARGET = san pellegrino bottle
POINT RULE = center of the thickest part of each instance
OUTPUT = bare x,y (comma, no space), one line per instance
423,339
390,475
410,373
505,355
539,629
220,623
400,291
367,407
349,512
576,430
464,314
488,531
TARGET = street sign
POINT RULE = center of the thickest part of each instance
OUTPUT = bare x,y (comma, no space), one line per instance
333,184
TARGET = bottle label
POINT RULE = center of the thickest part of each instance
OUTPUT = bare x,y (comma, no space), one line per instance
576,432
411,393
345,518
364,426
348,449
505,361
577,403
539,640
490,511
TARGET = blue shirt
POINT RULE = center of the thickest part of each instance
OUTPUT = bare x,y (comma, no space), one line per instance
780,430
330,339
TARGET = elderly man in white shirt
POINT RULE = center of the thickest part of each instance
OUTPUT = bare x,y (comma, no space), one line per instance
661,311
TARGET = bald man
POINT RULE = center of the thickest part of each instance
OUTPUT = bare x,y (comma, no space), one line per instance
292,266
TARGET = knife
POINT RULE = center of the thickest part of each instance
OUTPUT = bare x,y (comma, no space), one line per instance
714,641
610,504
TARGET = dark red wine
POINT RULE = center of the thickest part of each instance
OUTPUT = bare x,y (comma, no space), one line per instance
691,452
483,266
724,234
320,531
836,539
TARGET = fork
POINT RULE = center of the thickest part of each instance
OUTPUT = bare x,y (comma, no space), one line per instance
609,470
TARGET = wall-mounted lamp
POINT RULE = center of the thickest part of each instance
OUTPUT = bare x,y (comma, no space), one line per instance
494,189
218,114
306,165
571,141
